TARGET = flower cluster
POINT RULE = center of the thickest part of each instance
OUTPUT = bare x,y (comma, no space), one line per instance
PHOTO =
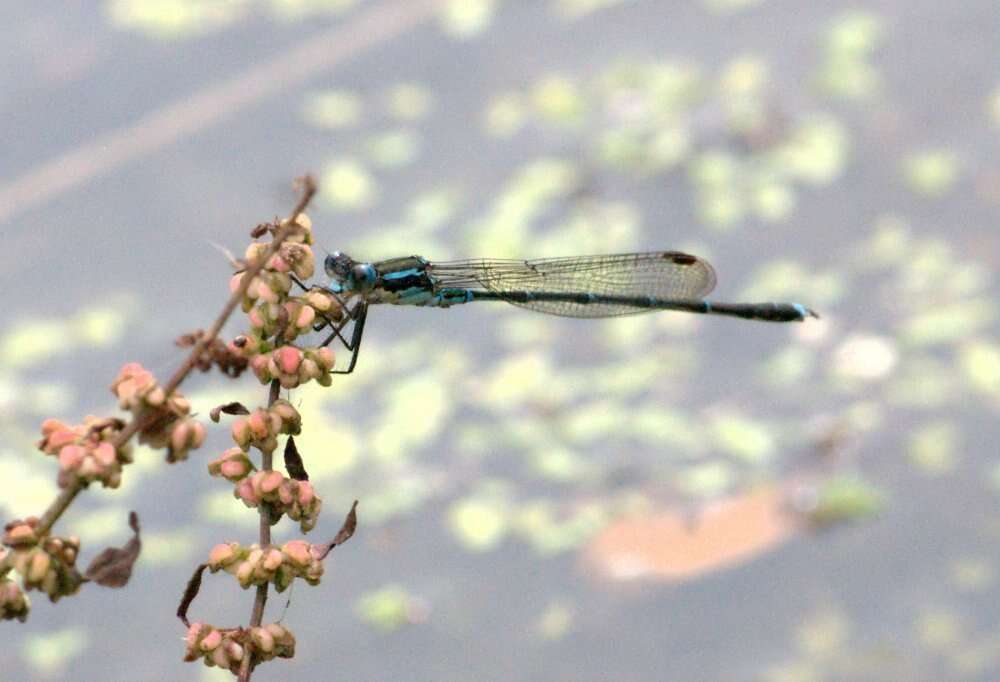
47,564
166,420
293,366
86,451
13,602
282,495
226,648
262,427
254,565
276,318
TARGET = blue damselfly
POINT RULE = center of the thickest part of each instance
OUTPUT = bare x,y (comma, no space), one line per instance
576,286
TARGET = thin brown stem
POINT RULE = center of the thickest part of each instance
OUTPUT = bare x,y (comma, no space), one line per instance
260,598
141,421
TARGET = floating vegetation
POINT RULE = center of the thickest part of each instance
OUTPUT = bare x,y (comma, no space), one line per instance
391,608
844,498
847,71
931,173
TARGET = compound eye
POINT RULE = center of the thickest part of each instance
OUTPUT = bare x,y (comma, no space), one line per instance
330,265
338,265
363,275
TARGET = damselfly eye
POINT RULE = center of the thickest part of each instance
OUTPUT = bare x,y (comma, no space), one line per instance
337,265
364,275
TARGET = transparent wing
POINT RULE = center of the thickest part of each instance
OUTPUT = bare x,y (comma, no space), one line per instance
659,274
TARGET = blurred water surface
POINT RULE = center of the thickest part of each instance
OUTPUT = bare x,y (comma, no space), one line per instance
540,498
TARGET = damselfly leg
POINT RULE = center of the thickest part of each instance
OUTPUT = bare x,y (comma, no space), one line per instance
358,314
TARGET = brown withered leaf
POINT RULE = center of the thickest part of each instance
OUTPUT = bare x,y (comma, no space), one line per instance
228,408
345,532
113,566
190,592
293,461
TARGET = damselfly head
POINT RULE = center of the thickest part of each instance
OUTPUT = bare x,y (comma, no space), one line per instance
338,265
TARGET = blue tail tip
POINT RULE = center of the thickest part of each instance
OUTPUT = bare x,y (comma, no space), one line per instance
805,312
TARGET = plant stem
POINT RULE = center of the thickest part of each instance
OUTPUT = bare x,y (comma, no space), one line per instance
260,598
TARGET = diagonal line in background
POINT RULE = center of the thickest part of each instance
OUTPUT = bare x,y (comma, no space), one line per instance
211,105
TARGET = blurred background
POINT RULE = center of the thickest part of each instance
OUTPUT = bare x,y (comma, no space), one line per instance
662,497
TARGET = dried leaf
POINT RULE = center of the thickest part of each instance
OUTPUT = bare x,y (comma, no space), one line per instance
345,532
293,461
113,566
228,408
190,592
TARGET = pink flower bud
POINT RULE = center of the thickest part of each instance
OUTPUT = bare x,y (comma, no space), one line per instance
253,288
256,318
241,432
298,552
254,252
258,423
309,370
221,555
325,358
260,365
89,469
234,470
198,433
126,393
244,490
285,411
305,267
288,359
278,631
306,493
318,300
71,456
305,317
51,425
50,584
194,633
219,657
266,293
272,560
59,437
234,651
39,566
156,396
278,264
244,574
210,641
20,535
263,639
104,454
270,481
179,435
235,281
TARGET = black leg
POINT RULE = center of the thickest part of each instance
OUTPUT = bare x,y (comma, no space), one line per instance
359,315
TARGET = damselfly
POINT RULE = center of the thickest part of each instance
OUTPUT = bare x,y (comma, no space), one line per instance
577,286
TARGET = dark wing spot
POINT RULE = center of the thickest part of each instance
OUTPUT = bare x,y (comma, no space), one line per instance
680,258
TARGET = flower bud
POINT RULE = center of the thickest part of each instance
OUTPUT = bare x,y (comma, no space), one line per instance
39,565
210,641
298,552
263,639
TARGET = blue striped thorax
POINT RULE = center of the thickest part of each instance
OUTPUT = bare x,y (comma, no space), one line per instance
403,281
